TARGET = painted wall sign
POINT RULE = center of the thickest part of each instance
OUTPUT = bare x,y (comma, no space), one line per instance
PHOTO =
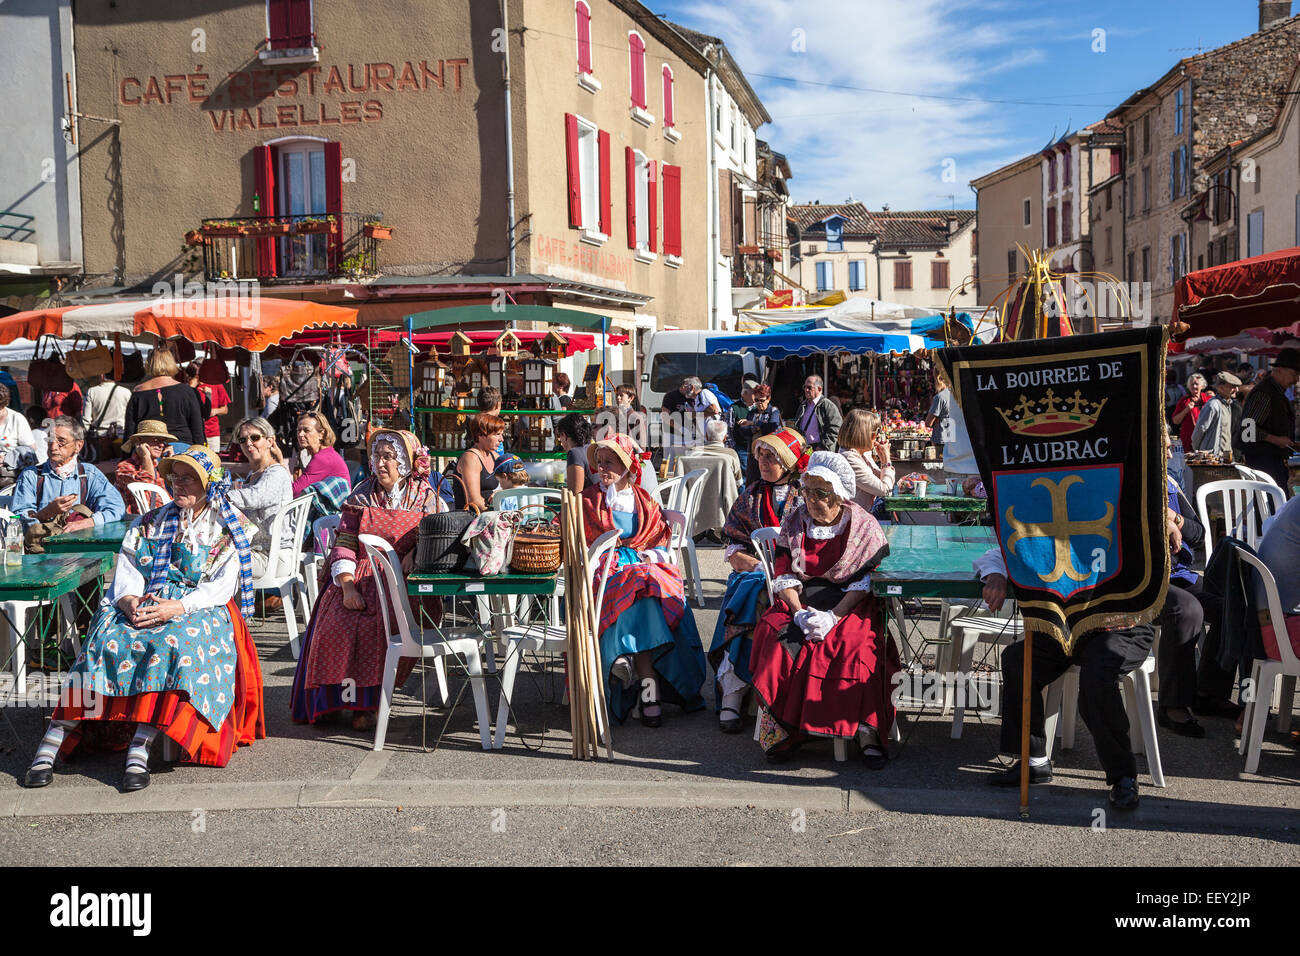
237,101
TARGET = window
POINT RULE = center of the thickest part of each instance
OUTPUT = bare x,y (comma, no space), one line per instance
903,274
1067,220
835,234
1255,233
1028,210
1108,200
1209,253
1110,246
858,269
1051,174
735,122
1258,176
590,196
642,190
1066,179
669,105
1051,226
1146,135
1178,172
939,274
636,70
1012,269
1131,274
1146,188
1177,257
672,177
823,276
717,117
1130,197
1178,110
1146,263
289,25
582,29
1128,145
1114,162
1222,198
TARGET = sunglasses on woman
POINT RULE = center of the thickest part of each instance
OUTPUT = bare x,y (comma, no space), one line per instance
819,494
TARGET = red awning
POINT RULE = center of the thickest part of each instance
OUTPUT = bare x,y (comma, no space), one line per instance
1224,300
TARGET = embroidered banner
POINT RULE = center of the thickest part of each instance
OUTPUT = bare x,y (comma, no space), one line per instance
1069,437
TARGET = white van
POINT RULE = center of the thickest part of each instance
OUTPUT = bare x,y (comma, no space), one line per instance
674,355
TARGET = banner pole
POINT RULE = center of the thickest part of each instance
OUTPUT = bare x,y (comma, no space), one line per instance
1025,691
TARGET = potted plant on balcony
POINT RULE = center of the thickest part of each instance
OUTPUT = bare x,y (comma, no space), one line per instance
224,228
316,225
748,250
194,237
267,227
377,230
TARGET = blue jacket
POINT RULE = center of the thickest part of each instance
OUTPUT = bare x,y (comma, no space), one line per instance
101,497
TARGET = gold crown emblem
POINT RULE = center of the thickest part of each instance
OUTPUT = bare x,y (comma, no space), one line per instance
1051,416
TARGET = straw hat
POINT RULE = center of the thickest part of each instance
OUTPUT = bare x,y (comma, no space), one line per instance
788,446
621,446
149,428
198,457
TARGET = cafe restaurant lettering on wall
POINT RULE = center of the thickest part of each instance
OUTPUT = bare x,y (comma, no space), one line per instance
235,101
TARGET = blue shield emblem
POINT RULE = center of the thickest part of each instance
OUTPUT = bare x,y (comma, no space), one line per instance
1060,529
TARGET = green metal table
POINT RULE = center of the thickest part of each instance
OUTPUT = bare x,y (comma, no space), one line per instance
46,584
106,537
932,561
494,588
958,508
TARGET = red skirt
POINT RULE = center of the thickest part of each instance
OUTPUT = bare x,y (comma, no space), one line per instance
110,721
827,687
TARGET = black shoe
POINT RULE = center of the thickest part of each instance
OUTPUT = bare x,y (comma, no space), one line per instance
135,780
1011,776
1209,707
730,725
1185,728
873,758
1124,795
783,752
649,721
38,777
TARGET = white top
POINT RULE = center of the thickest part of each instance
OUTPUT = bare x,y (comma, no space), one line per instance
15,432
109,398
217,585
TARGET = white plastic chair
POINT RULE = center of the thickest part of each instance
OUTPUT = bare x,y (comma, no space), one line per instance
323,532
1063,705
671,491
284,563
1253,474
964,626
407,639
147,495
1266,672
677,534
1246,506
694,481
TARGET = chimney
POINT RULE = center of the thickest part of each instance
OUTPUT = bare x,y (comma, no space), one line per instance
1273,11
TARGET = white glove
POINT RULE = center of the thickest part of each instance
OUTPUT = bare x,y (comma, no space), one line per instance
819,624
802,619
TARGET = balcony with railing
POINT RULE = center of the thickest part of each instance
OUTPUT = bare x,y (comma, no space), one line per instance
304,248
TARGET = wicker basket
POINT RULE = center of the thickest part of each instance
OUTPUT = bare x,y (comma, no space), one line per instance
537,545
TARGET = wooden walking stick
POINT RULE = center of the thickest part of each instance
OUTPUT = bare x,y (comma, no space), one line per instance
1025,691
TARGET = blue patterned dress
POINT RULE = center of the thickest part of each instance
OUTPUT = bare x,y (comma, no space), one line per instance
194,653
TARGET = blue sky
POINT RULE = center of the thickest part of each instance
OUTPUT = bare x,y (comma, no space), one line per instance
1000,78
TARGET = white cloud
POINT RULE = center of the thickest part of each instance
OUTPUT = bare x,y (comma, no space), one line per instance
880,148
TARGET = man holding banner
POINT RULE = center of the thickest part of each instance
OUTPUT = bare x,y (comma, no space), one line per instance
1068,434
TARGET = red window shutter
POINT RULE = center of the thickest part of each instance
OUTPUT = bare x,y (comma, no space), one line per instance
334,198
300,25
289,22
1114,162
652,197
668,98
264,184
575,185
631,196
672,176
606,193
583,15
636,63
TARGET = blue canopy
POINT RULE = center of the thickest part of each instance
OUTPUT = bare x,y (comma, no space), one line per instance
778,345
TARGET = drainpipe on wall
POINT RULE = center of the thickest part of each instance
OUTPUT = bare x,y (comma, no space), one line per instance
715,248
510,146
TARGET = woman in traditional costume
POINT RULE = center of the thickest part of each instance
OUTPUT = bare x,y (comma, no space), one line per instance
762,504
168,649
822,661
342,662
649,647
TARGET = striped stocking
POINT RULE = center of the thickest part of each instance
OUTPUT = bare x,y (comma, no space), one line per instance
137,755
